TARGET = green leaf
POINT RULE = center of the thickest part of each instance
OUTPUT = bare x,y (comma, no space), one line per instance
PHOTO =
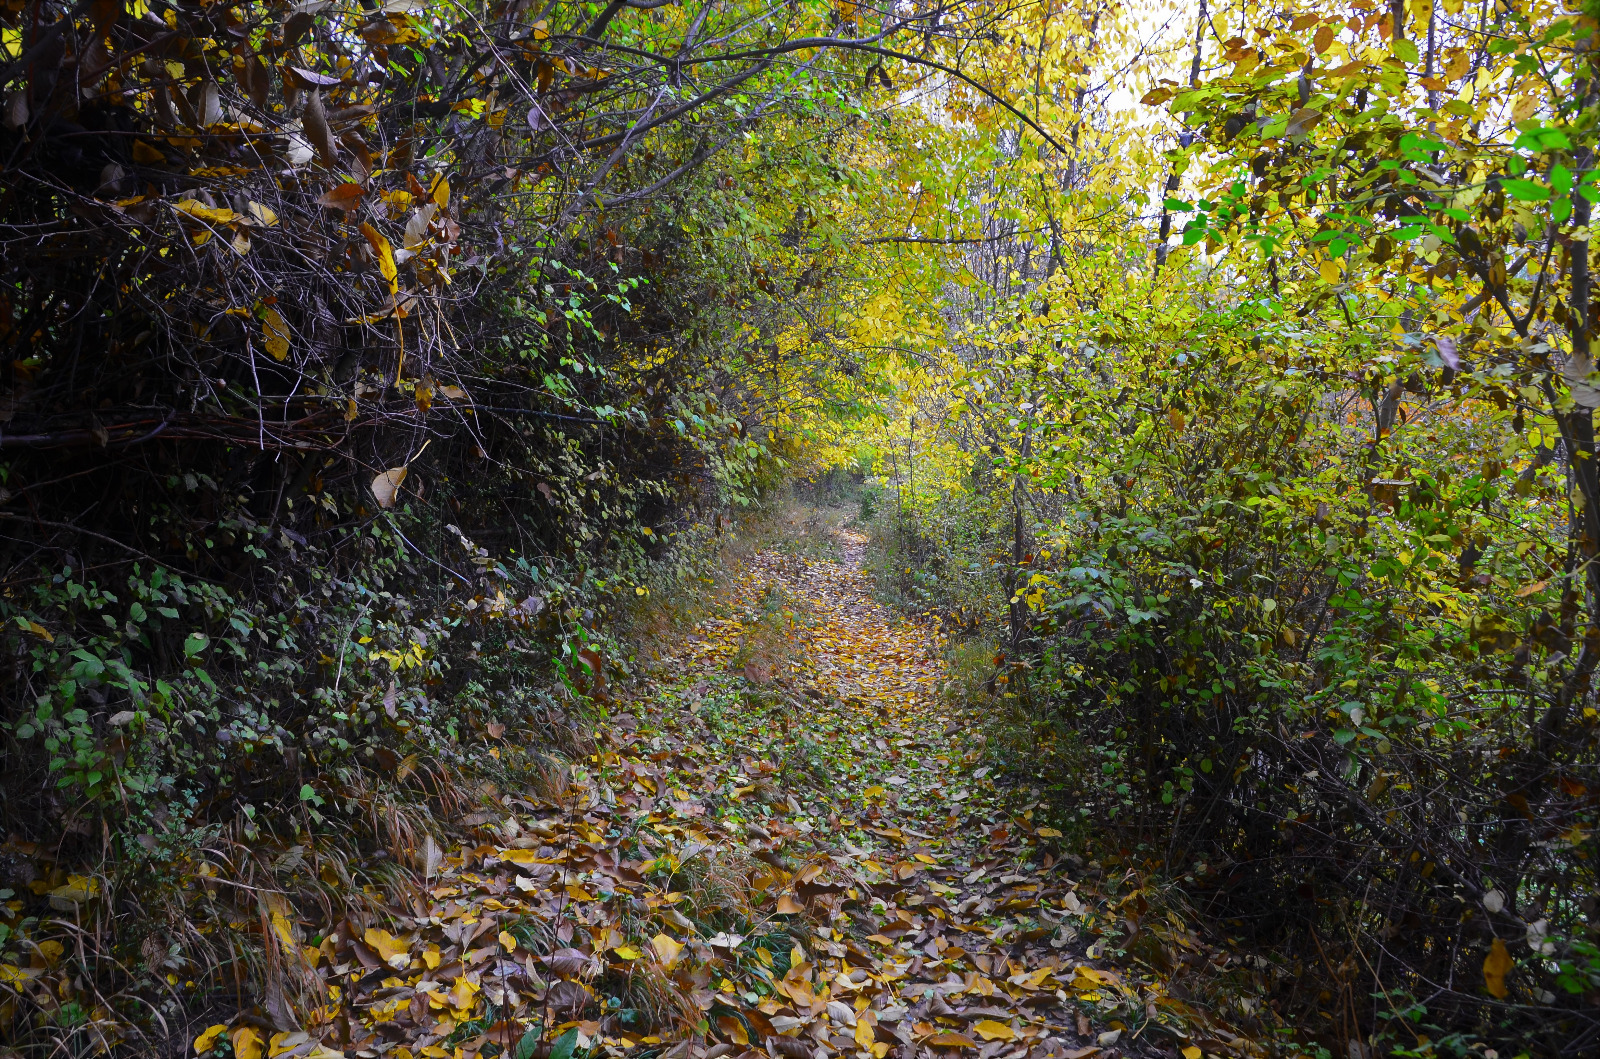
1406,51
1525,190
525,1047
1177,206
196,642
1560,179
562,1048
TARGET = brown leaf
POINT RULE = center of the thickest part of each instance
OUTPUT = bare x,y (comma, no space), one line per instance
312,79
295,26
346,196
318,133
386,486
567,997
567,962
950,1039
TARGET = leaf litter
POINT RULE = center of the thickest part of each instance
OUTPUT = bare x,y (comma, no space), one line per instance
784,846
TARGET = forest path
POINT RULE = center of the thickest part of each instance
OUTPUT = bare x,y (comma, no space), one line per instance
785,845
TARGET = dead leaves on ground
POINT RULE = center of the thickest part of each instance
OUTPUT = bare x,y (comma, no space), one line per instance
693,893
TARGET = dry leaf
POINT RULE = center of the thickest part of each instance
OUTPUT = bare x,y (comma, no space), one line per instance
205,1042
246,1043
666,949
312,79
318,132
275,333
385,255
385,486
990,1030
346,196
390,949
950,1039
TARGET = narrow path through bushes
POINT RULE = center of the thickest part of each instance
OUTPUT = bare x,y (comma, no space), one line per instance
786,844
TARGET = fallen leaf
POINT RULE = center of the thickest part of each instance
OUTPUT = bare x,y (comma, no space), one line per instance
666,949
990,1030
950,1039
507,942
246,1043
390,949
204,1042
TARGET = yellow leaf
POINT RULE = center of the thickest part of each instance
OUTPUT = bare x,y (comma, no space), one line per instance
461,994
1048,832
788,906
864,1035
204,1042
1191,1052
276,333
440,192
284,929
518,856
1036,979
200,211
286,1041
666,949
734,1028
385,254
578,893
990,1030
628,952
1330,270
262,215
246,1043
1495,968
507,942
391,950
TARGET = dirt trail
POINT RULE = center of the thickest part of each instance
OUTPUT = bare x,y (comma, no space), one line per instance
787,845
